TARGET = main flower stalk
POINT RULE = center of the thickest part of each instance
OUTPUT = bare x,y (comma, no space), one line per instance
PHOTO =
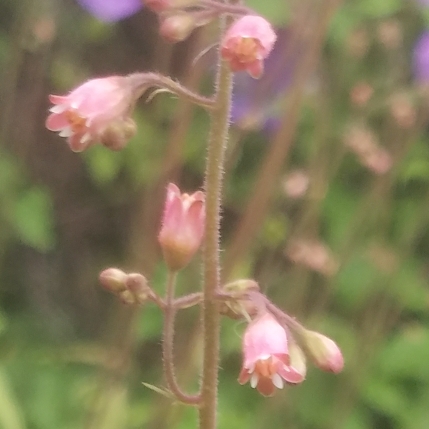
213,187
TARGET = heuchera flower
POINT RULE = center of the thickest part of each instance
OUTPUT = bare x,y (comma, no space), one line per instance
247,43
266,356
421,59
255,103
97,109
111,10
182,226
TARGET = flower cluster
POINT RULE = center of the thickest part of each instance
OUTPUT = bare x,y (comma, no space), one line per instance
275,346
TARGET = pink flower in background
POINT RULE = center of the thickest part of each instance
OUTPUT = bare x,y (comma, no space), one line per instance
83,115
182,226
111,10
266,356
247,43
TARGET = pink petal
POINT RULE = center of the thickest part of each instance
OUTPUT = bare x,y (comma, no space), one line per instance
290,375
56,122
244,376
255,69
265,386
58,99
195,220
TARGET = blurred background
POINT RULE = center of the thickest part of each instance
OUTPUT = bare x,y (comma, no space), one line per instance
326,206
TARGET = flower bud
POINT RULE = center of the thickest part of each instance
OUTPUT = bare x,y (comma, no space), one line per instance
247,43
176,28
182,227
113,279
297,359
137,285
117,134
239,309
323,352
240,286
127,297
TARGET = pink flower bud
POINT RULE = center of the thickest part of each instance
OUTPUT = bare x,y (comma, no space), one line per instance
266,357
182,226
85,115
324,353
247,43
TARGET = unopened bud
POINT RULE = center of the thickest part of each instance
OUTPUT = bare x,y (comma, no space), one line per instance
113,279
176,28
242,285
182,227
297,358
137,285
323,352
240,309
118,134
127,297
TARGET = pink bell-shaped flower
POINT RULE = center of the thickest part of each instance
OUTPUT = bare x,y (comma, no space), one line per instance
247,43
88,112
266,357
182,226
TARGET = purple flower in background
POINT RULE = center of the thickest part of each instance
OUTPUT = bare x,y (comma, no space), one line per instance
254,101
111,10
421,58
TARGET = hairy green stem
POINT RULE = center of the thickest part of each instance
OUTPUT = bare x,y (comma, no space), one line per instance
168,342
213,186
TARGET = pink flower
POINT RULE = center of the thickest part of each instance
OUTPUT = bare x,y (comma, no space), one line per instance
182,226
247,43
266,357
92,109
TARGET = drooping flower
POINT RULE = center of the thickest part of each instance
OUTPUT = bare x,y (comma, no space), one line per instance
267,361
111,10
247,43
95,111
182,226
